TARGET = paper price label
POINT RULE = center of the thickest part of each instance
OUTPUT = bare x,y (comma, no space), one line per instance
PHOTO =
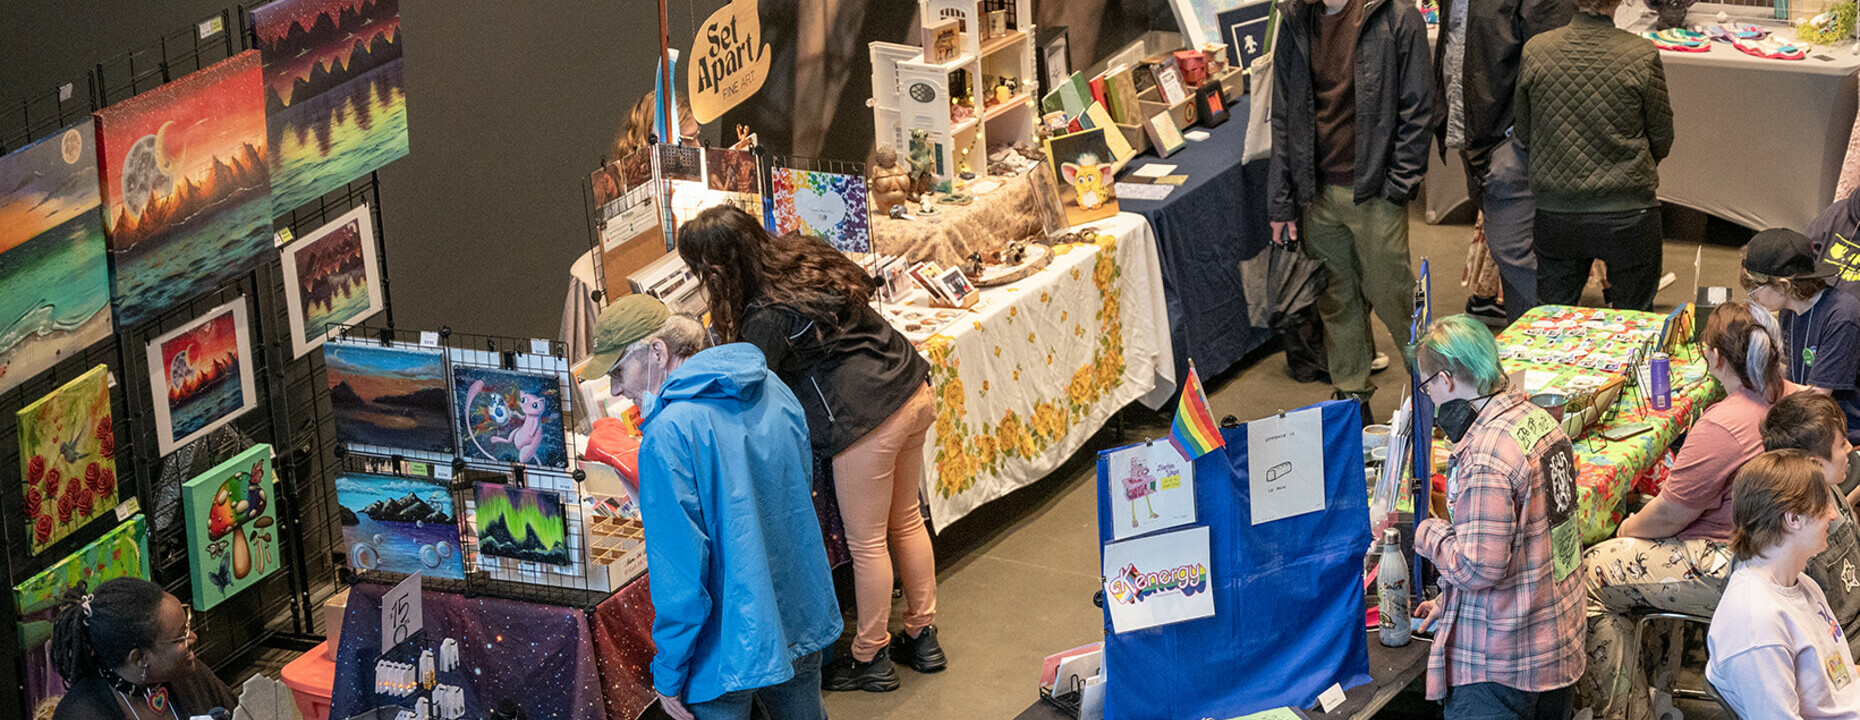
429,338
128,508
539,346
64,93
211,27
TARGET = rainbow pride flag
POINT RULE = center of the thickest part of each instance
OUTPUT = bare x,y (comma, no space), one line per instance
1194,432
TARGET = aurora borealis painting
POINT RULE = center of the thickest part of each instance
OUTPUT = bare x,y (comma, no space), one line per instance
521,524
335,104
54,280
187,196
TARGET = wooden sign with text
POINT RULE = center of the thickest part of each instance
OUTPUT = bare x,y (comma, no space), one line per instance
728,61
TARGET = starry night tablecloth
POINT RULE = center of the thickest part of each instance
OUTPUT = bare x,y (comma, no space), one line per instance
539,656
1027,377
623,649
1555,344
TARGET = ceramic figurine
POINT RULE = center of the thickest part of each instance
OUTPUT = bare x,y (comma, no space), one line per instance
923,163
891,183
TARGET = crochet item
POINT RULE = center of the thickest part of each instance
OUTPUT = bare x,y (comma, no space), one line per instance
1679,40
1830,27
1772,49
1727,32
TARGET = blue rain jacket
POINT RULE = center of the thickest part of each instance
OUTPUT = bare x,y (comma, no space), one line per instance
740,584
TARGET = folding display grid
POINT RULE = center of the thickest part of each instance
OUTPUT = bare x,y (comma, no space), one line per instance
598,218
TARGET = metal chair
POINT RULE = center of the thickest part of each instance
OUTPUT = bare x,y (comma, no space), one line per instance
1729,712
1640,634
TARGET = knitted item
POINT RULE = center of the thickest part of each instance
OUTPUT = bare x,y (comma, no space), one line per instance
1771,49
1677,40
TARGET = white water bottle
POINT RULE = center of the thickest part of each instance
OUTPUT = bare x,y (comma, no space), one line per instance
1392,591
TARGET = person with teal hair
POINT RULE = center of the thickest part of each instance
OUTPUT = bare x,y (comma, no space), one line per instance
1507,550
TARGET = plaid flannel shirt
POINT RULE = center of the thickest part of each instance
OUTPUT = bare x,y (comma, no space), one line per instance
1503,616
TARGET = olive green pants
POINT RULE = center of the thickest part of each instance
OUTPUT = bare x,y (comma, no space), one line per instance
1364,248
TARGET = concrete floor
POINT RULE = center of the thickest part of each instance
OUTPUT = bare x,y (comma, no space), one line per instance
1017,576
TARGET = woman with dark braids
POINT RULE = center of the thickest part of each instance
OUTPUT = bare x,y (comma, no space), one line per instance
863,386
126,653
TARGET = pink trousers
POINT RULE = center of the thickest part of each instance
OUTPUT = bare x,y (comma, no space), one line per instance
876,481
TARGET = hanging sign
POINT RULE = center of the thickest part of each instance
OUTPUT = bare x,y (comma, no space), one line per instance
729,60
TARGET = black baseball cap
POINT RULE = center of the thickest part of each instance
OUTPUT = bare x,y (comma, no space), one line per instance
1783,253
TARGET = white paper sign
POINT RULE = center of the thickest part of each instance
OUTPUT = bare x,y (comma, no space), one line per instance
1158,580
1152,488
1285,464
1091,699
401,614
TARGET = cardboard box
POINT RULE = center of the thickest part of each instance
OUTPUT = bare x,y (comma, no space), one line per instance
333,610
1183,112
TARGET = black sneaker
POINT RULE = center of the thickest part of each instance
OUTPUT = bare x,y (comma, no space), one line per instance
921,653
847,673
1486,309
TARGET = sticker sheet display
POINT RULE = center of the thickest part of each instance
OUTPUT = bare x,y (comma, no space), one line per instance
201,375
509,416
232,535
521,524
331,278
67,456
1152,488
52,258
335,104
399,525
389,397
122,552
828,206
187,187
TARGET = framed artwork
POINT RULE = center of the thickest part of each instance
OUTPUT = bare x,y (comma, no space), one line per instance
828,206
331,278
186,186
400,525
335,105
390,397
1164,135
942,40
52,257
1200,19
1055,58
122,552
731,170
607,186
231,513
1244,30
1083,163
956,283
67,457
509,416
201,375
680,162
521,524
1210,105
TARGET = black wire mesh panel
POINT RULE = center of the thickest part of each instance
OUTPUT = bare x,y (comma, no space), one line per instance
38,116
172,56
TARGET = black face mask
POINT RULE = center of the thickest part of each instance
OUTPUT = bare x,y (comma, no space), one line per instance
1456,416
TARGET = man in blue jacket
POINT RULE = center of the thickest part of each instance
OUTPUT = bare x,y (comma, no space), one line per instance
742,595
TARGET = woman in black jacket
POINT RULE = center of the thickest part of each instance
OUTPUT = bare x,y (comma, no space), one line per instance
126,653
868,407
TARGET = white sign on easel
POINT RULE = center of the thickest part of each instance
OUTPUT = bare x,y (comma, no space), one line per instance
1285,464
1152,488
401,613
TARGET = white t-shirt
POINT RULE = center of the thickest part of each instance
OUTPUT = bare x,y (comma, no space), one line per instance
1777,652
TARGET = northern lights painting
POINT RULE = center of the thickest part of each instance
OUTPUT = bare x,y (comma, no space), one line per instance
335,103
186,189
54,279
521,524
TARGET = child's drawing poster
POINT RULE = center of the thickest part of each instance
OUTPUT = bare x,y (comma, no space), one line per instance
828,206
1158,580
1152,488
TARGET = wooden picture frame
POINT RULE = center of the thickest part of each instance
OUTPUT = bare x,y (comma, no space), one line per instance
1210,105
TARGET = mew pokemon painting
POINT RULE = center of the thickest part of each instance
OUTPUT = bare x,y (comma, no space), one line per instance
52,260
187,192
231,514
335,104
67,454
201,375
506,416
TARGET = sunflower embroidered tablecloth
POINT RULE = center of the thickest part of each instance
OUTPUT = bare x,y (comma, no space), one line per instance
1027,376
1556,344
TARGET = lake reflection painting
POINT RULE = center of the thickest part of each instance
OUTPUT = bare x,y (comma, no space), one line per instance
335,105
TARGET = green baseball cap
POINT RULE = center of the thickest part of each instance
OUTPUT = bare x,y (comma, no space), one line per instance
626,320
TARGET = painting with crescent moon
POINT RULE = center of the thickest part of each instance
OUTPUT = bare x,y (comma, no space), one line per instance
231,514
335,106
186,187
200,375
54,278
67,457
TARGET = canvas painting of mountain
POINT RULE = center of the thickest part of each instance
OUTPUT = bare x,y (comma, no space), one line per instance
389,397
201,375
54,279
335,106
67,458
399,525
332,277
521,524
187,196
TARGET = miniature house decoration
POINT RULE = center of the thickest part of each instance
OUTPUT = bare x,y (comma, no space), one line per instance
983,95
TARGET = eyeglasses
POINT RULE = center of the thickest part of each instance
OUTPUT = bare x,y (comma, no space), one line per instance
187,632
1430,380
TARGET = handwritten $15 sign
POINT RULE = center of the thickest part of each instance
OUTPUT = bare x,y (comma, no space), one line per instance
729,60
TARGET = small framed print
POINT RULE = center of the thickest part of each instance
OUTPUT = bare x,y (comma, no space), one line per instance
1209,103
957,284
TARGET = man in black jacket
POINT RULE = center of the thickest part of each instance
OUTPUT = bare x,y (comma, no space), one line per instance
1352,102
1476,63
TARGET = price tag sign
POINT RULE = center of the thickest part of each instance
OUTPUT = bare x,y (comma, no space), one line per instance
128,508
539,347
429,338
442,471
64,93
211,27
401,615
419,469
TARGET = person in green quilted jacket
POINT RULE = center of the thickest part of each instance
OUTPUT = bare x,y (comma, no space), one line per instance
1591,108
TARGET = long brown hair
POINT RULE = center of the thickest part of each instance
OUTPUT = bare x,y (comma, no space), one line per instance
741,265
1745,336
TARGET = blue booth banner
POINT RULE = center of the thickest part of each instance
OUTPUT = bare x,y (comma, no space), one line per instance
1288,594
